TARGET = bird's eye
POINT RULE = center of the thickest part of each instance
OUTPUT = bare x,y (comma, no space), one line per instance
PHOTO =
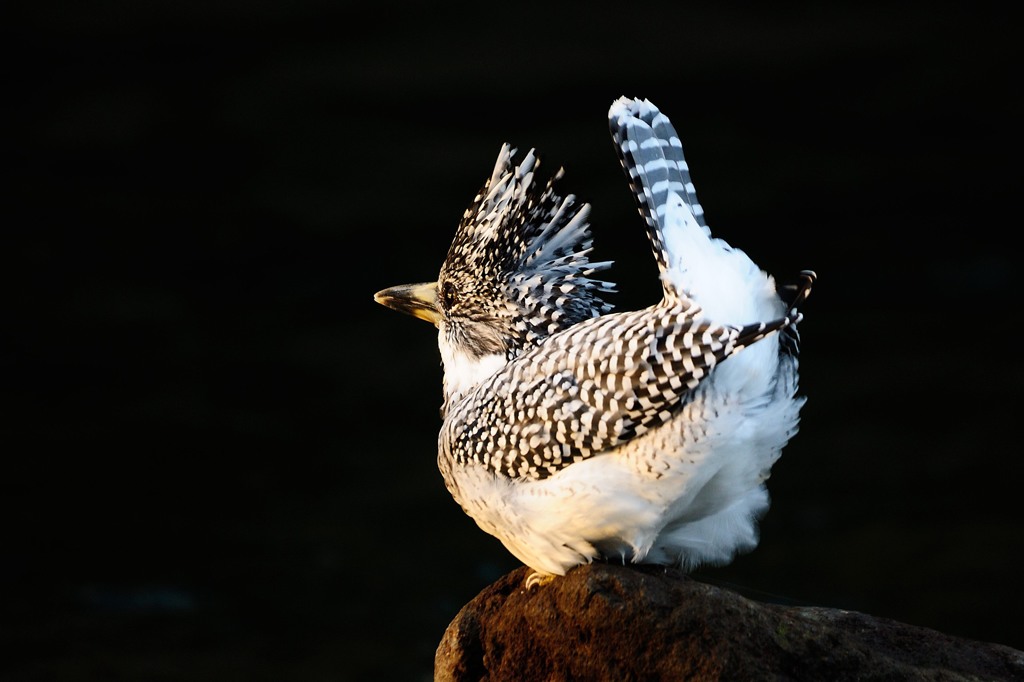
448,296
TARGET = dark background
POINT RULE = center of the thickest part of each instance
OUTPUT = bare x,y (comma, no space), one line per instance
220,458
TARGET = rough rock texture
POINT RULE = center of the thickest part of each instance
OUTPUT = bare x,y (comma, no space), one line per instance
622,623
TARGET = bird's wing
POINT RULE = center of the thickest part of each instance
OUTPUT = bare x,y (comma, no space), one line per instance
589,389
652,156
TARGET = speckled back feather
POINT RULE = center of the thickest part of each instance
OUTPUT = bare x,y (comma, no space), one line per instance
590,389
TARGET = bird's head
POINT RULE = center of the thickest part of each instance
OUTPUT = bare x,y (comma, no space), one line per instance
517,271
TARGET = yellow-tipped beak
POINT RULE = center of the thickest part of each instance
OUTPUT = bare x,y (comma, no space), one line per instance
418,300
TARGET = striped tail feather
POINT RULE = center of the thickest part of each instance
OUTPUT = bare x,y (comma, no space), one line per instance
652,156
724,281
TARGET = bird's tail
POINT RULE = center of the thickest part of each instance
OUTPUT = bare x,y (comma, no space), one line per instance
724,281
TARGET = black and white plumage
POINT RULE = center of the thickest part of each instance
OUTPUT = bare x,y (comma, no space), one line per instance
574,434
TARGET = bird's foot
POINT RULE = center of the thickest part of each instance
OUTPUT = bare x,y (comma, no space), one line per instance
798,293
538,579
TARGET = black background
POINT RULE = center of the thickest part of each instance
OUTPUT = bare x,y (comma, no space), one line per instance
221,451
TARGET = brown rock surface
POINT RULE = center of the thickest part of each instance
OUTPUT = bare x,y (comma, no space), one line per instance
622,623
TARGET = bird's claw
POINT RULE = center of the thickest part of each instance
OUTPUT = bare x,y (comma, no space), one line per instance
538,579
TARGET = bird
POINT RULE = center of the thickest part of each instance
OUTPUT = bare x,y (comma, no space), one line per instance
575,433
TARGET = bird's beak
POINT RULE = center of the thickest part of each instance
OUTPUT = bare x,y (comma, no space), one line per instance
419,300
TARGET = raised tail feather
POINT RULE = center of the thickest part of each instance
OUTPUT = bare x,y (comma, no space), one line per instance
652,156
729,287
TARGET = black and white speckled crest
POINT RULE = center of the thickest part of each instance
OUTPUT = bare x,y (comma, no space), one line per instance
590,389
519,260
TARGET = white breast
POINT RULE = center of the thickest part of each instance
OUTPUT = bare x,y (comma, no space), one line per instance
462,372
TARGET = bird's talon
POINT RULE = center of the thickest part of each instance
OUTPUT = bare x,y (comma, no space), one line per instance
538,579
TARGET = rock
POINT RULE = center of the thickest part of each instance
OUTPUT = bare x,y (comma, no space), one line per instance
609,622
